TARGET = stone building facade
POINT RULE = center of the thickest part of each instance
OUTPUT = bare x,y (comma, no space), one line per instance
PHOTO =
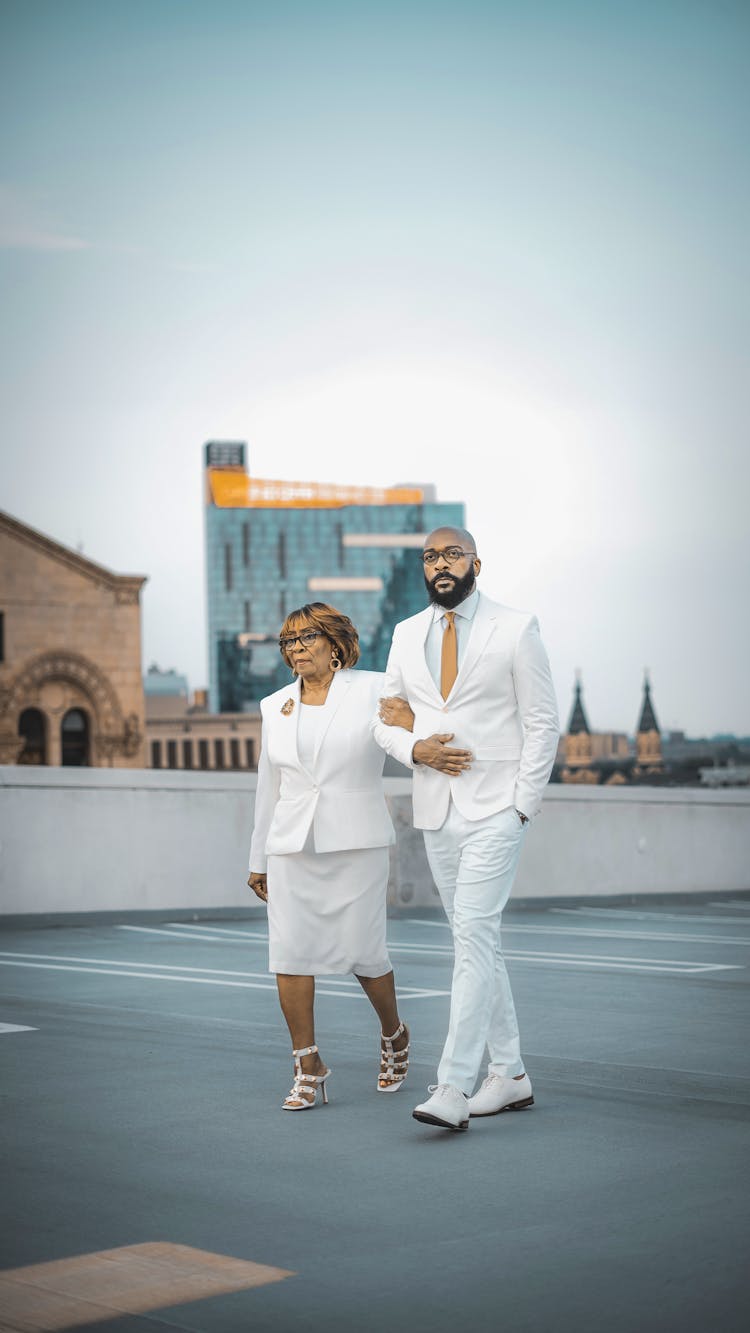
199,739
70,656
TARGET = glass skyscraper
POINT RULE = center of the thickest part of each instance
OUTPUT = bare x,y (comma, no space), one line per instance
273,546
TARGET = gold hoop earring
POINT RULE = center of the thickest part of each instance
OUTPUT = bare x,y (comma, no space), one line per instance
335,662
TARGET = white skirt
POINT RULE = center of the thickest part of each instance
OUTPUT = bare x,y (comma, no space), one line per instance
326,912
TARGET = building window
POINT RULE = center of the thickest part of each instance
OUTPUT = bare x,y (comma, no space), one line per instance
203,753
249,753
246,544
218,752
225,453
187,754
171,754
32,728
228,567
156,754
282,555
2,636
248,617
75,739
234,748
282,612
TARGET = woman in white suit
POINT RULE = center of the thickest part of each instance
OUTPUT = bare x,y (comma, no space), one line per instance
319,852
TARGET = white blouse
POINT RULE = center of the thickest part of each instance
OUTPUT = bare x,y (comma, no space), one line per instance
309,726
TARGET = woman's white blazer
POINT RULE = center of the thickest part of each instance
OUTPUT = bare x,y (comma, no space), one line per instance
341,797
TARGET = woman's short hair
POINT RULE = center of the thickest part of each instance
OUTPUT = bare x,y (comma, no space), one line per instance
337,628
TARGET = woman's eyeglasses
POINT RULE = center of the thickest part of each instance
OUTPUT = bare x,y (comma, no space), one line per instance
306,639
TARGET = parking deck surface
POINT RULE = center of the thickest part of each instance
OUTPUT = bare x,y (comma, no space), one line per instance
143,1067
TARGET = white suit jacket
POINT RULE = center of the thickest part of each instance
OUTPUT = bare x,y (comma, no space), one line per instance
342,796
502,707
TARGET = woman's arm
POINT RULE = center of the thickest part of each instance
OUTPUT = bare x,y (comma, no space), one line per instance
266,796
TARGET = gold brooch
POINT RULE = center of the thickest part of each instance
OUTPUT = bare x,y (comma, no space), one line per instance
288,707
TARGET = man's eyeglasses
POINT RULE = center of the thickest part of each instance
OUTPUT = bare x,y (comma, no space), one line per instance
449,553
306,638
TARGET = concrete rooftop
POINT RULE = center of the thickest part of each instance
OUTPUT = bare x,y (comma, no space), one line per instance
141,1108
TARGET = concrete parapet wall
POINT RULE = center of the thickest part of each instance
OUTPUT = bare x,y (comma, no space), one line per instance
119,840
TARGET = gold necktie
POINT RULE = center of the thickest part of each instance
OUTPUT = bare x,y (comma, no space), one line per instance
449,655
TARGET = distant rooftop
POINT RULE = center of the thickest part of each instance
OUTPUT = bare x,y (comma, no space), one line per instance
229,486
169,683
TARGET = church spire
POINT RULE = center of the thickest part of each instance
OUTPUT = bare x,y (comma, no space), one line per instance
648,739
578,723
648,720
577,744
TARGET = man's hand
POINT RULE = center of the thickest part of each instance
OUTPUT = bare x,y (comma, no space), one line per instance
434,752
395,712
259,886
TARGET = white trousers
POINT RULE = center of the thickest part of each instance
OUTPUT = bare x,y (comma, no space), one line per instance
473,864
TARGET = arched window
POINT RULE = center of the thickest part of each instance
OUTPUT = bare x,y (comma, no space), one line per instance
75,738
32,727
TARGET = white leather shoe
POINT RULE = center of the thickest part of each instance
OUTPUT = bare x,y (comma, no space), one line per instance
501,1094
447,1107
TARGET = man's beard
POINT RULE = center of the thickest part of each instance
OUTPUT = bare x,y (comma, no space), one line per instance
456,594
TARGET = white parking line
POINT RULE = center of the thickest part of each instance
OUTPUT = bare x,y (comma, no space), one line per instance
216,977
14,1027
235,932
674,966
617,962
592,932
417,921
219,932
179,933
554,958
242,935
671,937
611,962
165,967
624,912
188,934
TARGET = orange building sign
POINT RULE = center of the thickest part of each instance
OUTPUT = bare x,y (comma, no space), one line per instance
232,489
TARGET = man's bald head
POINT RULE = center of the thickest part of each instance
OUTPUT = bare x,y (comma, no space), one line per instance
442,537
451,565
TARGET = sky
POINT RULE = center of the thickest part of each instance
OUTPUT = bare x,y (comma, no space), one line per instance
499,247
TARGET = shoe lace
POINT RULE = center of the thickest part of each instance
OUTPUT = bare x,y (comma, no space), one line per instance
491,1080
439,1089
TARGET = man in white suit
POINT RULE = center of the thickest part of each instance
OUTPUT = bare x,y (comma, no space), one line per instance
482,744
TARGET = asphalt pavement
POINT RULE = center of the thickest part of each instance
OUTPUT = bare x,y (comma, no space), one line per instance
143,1067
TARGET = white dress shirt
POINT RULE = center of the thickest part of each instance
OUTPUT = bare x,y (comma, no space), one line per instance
465,612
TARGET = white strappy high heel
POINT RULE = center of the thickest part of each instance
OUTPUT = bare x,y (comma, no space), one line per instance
396,1063
297,1099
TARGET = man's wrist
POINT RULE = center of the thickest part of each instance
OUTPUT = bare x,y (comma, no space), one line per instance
523,818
